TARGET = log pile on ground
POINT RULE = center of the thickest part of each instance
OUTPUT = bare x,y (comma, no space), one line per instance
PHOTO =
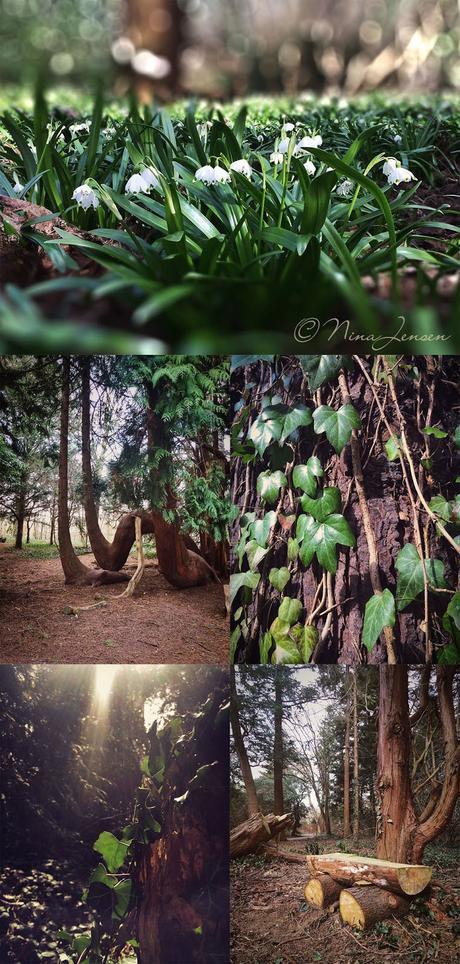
250,835
368,890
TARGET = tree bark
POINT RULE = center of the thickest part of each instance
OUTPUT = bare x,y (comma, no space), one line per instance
354,869
346,764
322,891
278,751
75,572
252,803
248,836
355,758
104,552
362,907
21,511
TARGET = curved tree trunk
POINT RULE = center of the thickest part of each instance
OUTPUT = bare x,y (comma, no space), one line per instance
75,572
252,802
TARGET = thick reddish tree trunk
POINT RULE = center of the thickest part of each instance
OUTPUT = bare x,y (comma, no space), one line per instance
74,570
251,794
278,754
401,835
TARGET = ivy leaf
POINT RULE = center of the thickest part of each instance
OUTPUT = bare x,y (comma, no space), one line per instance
452,612
379,613
329,502
322,538
255,554
284,637
240,579
301,415
279,578
457,436
322,368
240,361
264,647
309,640
435,431
304,476
338,425
260,529
113,851
292,550
440,506
122,895
392,446
264,431
290,610
269,484
410,579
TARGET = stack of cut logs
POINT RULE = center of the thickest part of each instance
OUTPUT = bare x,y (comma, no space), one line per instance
367,890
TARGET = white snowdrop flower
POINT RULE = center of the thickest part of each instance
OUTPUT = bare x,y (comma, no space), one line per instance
345,188
221,176
206,174
401,175
397,138
18,187
148,175
288,128
310,168
276,158
242,167
85,197
136,184
390,164
76,128
309,141
283,145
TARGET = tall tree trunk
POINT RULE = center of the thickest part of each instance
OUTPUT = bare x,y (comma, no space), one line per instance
74,570
103,550
28,531
278,751
346,764
21,510
356,793
156,25
252,803
402,836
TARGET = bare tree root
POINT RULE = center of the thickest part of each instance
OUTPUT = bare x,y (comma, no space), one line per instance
137,576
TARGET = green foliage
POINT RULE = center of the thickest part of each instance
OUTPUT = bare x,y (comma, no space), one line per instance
305,476
269,485
338,425
322,368
410,581
323,538
378,614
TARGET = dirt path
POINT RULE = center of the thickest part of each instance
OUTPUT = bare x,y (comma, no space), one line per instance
272,924
159,624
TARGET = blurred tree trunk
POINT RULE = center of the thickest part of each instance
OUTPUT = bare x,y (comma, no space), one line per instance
251,794
21,510
157,26
346,765
355,757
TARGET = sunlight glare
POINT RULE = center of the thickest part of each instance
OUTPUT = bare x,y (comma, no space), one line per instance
103,681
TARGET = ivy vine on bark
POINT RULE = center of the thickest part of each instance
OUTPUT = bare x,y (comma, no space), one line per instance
345,474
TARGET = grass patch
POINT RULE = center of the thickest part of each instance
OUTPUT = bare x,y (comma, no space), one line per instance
308,227
42,550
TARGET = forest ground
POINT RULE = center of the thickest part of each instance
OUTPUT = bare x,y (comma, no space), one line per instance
35,904
159,624
272,923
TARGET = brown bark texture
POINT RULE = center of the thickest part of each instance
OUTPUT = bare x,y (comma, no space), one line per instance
384,491
246,772
354,869
362,907
248,836
278,750
182,878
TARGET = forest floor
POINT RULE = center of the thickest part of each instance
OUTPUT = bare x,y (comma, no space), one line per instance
159,624
35,904
272,923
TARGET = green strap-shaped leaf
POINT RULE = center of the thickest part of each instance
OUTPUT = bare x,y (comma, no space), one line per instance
338,425
379,613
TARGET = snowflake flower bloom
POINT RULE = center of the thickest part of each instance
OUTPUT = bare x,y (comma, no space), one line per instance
396,173
397,138
18,187
241,167
148,175
221,176
76,128
288,128
276,158
85,197
309,141
136,184
345,188
310,168
283,145
206,174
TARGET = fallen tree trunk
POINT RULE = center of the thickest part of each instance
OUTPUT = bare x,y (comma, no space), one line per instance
363,906
353,869
284,855
247,837
322,891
